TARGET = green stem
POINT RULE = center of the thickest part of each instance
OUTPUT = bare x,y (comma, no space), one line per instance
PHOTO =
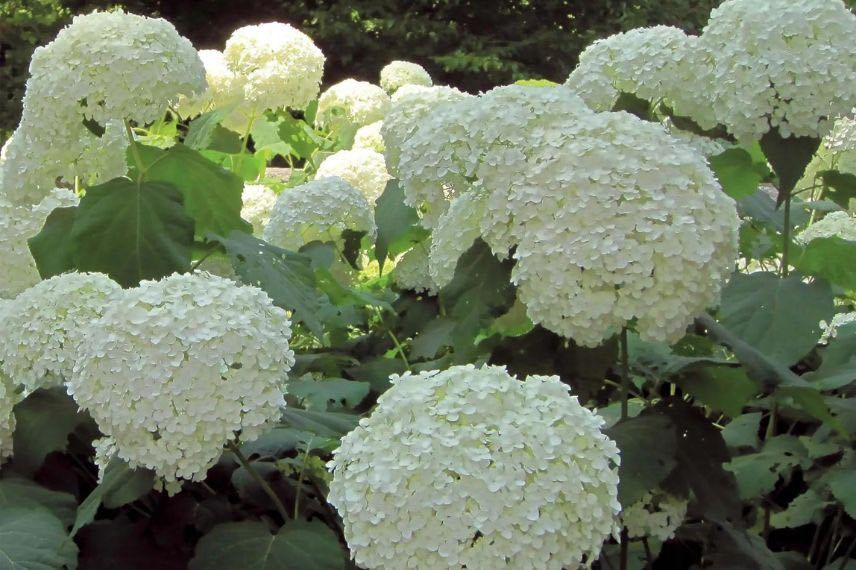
258,479
300,479
786,235
625,374
398,347
138,160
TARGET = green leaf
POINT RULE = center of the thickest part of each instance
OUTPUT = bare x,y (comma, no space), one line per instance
742,431
377,371
841,186
842,483
648,446
119,486
205,130
657,360
436,334
266,135
762,208
838,368
736,172
327,393
44,421
284,275
398,227
514,323
804,509
325,424
831,258
34,539
733,548
778,317
17,492
250,546
536,83
132,231
281,440
51,247
212,195
789,158
723,389
757,473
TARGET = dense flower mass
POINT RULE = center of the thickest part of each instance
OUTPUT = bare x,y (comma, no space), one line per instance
175,369
258,202
842,138
397,74
224,88
781,64
656,515
18,224
351,103
455,233
43,327
319,210
364,169
104,67
278,65
835,224
470,467
370,137
411,271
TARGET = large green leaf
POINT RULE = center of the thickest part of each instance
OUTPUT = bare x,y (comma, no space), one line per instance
838,368
831,258
789,158
205,132
34,539
327,393
842,483
325,424
51,247
398,225
736,172
841,186
132,231
757,473
285,275
212,195
723,389
778,317
119,486
298,545
18,492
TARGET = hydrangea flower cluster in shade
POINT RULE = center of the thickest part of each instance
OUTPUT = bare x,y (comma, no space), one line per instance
105,67
364,169
351,103
224,88
175,369
319,210
8,399
780,63
411,271
17,225
470,467
835,224
258,203
410,105
657,515
369,137
278,66
48,321
842,138
397,74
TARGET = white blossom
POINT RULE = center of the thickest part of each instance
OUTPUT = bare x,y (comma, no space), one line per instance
657,515
397,74
834,224
785,64
842,138
175,369
370,137
224,87
319,210
43,327
455,233
362,168
351,103
470,467
258,202
411,271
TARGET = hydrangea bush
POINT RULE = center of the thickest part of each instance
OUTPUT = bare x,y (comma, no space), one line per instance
250,319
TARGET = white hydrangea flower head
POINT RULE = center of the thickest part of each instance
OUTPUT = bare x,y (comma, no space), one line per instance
278,65
8,399
43,327
471,467
351,103
411,271
318,210
409,106
397,74
657,515
842,138
783,64
175,369
834,224
830,330
224,87
258,203
18,224
370,137
363,168
625,222
455,233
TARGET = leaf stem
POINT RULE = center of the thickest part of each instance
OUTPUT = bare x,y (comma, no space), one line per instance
138,160
233,447
300,479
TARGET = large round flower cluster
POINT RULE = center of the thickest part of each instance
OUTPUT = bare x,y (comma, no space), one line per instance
781,64
397,74
470,467
364,169
411,271
835,224
8,399
369,137
105,67
319,210
43,327
169,386
278,65
410,105
258,202
18,224
224,88
351,103
657,515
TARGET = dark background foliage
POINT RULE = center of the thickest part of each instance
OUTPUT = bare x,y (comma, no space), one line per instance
471,44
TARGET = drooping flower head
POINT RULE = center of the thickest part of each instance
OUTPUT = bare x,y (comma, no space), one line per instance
319,210
657,515
43,327
397,74
175,369
470,467
258,202
364,169
351,103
